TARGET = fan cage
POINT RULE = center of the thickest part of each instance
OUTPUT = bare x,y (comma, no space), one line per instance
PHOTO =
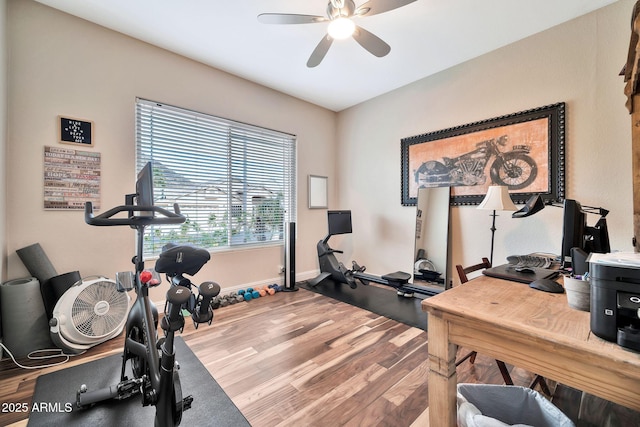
424,264
99,309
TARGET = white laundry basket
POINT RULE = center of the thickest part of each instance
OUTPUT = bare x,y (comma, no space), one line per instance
486,405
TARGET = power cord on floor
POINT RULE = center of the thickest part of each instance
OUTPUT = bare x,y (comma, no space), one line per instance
55,353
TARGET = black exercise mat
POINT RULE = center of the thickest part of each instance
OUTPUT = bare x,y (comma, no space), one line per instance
384,302
56,393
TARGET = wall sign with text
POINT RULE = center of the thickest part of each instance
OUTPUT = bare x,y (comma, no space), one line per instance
71,178
75,131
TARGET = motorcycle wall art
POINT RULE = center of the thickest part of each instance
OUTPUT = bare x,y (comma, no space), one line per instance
513,168
523,151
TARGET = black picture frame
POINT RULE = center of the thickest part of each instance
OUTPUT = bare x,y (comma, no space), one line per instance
75,131
524,150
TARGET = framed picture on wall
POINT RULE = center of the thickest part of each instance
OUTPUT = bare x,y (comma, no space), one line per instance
75,131
71,178
317,192
524,151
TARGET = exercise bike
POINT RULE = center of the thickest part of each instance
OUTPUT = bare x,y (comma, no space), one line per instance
152,360
332,269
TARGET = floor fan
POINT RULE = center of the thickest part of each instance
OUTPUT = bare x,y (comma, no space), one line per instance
89,313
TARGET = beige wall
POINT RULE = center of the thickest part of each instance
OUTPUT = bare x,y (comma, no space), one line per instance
59,64
3,131
577,63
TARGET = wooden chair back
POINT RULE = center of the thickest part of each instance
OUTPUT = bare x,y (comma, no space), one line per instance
463,271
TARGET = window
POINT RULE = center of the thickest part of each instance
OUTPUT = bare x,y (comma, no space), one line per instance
235,183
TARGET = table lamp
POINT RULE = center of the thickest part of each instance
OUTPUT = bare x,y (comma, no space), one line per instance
497,199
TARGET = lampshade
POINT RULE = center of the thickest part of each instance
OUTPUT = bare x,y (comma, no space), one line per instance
498,199
341,28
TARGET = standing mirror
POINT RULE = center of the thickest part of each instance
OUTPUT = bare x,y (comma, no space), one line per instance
431,252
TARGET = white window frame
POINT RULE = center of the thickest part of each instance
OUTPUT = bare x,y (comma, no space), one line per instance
235,182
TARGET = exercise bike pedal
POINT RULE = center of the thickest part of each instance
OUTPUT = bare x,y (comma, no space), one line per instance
85,398
186,402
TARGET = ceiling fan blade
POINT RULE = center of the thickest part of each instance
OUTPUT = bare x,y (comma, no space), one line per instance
374,44
320,51
374,7
289,18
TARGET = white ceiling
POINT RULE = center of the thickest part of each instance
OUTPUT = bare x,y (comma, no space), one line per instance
426,37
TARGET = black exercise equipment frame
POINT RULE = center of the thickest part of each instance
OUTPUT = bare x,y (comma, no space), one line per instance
332,269
156,376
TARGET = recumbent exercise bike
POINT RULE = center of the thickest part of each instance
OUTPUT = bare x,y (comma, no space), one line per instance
153,360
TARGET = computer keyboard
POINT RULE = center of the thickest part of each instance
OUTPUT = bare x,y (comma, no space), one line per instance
530,261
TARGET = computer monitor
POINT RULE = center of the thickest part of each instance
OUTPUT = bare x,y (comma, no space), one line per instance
577,234
339,222
144,189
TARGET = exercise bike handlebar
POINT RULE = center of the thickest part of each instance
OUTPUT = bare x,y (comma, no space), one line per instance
106,218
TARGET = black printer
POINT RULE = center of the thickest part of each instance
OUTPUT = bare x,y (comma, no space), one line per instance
615,298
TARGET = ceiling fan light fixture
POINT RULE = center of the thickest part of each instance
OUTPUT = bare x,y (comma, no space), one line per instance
341,28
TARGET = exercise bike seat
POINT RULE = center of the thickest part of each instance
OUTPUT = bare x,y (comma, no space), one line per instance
179,259
398,278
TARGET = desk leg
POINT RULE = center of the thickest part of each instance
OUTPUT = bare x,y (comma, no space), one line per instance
442,374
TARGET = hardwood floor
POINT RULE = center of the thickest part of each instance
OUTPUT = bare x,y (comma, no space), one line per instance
303,359
300,358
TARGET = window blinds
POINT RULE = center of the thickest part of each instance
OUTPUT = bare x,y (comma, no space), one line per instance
235,183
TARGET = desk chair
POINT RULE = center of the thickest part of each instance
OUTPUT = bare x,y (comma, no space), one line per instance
538,380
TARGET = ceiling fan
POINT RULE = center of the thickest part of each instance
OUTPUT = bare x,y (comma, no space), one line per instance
341,26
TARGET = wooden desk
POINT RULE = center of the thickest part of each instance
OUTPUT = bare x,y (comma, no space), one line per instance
528,328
